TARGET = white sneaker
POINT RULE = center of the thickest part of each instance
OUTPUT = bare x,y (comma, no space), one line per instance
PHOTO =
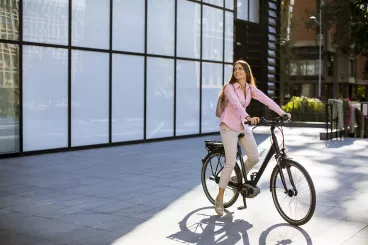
219,207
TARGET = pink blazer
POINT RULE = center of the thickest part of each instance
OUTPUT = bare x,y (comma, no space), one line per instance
235,112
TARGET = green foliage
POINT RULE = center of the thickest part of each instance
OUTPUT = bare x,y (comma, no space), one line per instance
351,20
306,109
361,91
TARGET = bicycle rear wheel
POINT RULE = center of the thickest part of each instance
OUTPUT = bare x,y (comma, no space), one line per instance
296,206
210,177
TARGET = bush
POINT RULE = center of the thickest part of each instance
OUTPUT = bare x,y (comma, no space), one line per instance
305,109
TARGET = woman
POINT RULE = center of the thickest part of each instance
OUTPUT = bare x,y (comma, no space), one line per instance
238,92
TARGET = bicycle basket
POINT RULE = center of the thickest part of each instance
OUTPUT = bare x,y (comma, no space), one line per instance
214,145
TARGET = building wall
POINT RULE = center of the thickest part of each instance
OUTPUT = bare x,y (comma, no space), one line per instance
299,33
81,74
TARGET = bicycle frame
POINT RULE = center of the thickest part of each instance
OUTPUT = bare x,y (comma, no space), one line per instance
274,150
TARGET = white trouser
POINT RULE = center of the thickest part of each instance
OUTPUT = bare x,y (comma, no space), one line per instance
230,141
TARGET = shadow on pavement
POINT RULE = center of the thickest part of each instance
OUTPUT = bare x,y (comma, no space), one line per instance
211,229
199,227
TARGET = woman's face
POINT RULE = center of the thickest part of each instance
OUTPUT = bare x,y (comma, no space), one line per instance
239,72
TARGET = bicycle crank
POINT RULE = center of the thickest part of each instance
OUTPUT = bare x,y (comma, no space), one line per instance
251,191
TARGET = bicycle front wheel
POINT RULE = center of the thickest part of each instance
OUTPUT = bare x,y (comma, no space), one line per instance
210,176
295,205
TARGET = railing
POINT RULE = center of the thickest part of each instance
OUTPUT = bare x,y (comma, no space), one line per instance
331,124
364,110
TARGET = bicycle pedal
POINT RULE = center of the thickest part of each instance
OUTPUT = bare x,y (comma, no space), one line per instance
241,208
253,176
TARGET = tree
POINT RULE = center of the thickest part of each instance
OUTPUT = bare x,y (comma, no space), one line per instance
350,17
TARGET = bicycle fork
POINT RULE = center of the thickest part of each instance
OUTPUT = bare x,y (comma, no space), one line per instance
291,192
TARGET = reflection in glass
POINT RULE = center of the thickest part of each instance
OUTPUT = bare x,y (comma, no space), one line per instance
229,4
127,97
46,21
272,21
219,3
91,24
254,11
212,33
242,9
228,72
45,115
160,98
187,97
189,29
9,98
211,87
9,20
160,27
90,98
127,36
229,36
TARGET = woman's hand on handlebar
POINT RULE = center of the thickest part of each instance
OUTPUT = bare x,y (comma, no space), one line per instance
253,120
289,116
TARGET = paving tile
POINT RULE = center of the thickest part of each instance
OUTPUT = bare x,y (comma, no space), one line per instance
356,241
99,197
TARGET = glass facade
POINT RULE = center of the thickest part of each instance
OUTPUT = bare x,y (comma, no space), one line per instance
84,75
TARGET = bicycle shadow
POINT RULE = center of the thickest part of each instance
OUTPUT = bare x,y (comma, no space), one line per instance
288,234
213,229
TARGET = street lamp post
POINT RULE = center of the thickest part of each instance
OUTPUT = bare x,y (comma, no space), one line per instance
319,23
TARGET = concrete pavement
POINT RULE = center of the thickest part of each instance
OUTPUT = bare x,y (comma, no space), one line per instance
152,194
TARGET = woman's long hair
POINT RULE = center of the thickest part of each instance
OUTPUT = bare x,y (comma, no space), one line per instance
248,77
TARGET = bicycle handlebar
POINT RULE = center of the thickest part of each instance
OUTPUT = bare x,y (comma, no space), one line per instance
273,122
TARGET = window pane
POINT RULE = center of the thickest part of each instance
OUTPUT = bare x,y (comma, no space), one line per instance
90,98
189,29
272,29
9,98
219,3
272,37
242,9
301,65
229,4
271,61
160,98
128,37
228,72
187,97
271,53
45,115
91,24
127,97
46,21
271,21
211,87
9,24
212,33
160,32
229,36
272,13
271,69
272,5
271,45
254,11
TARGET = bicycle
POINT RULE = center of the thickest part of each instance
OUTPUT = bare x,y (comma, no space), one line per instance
284,178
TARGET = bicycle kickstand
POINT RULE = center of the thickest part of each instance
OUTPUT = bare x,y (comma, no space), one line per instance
244,194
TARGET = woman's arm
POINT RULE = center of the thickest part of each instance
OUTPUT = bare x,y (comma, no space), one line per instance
261,97
233,99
